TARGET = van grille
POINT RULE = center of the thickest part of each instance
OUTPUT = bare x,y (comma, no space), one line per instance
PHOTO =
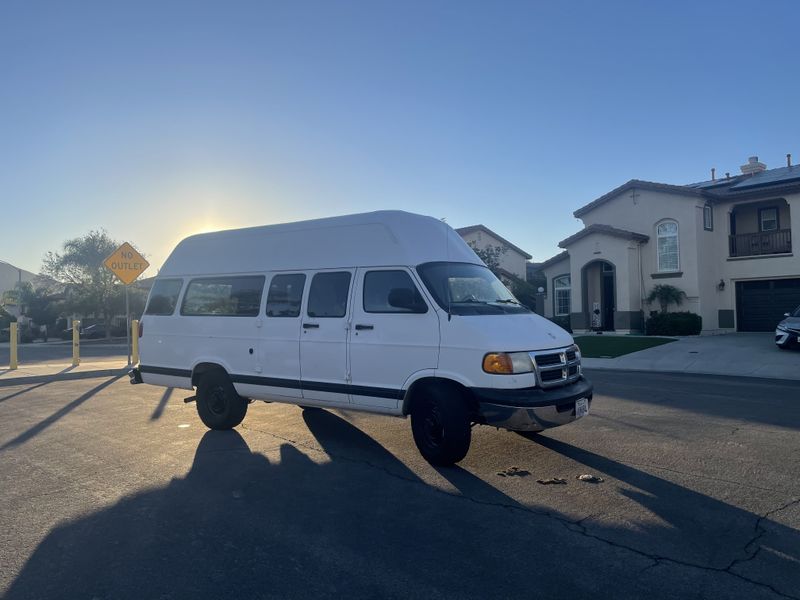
556,368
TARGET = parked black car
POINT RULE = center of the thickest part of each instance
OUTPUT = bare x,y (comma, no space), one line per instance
788,330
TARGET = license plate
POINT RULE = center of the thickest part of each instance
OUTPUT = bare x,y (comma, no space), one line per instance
581,408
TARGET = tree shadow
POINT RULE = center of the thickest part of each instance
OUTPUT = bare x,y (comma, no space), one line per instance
353,521
162,404
768,401
690,519
59,414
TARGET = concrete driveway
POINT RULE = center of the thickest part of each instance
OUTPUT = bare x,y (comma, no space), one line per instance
739,354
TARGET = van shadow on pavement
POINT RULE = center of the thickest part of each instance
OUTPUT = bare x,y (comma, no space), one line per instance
241,525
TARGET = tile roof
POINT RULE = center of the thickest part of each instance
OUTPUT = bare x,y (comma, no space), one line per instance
554,259
462,231
782,179
637,184
605,230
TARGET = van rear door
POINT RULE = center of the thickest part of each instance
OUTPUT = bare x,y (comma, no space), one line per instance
395,333
323,337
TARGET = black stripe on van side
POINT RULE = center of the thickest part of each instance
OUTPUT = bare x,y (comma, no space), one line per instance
165,371
294,384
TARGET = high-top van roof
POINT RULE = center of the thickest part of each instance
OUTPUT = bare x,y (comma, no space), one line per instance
382,238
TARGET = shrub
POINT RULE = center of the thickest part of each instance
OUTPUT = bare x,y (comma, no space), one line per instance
562,322
676,323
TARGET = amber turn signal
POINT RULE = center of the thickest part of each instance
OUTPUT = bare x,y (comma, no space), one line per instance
498,362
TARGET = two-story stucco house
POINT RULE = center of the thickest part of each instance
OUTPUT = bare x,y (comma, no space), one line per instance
727,243
513,261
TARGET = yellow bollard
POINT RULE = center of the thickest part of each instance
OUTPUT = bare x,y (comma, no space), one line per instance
76,343
12,339
135,342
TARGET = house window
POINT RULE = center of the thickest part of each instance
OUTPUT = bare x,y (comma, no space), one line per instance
708,218
768,219
667,241
561,295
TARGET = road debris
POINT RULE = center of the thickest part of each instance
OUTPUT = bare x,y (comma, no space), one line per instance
590,478
552,481
513,472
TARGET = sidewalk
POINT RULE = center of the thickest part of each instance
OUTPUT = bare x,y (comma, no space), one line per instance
41,372
733,354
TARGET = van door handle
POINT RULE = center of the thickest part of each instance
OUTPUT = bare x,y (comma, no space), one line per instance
310,325
362,327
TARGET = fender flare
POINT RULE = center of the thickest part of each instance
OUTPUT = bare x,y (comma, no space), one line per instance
458,378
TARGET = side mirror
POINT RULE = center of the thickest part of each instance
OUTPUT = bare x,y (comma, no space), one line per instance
403,298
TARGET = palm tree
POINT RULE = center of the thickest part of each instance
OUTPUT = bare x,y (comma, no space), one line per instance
665,295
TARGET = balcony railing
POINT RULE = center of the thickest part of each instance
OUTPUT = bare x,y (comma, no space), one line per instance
757,244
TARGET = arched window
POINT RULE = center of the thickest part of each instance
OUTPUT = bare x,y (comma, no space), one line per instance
667,241
561,295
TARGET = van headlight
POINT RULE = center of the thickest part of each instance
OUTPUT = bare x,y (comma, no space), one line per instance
782,327
507,363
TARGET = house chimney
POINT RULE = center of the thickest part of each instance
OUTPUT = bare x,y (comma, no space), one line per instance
788,160
713,174
727,175
753,166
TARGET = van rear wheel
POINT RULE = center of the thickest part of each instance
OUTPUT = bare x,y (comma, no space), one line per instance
440,422
218,404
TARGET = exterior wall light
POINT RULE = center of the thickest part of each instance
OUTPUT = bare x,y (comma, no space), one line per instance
721,285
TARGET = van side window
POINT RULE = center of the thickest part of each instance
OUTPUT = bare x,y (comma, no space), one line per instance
164,297
224,297
285,295
392,292
328,294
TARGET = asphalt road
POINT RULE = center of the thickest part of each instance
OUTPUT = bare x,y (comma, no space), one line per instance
115,491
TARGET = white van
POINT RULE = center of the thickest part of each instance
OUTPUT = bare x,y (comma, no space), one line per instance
386,312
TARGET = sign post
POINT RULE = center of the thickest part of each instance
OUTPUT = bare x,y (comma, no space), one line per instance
127,264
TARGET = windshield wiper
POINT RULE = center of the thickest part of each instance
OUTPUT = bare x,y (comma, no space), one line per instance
507,301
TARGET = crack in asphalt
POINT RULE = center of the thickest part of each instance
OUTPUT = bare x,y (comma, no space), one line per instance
571,525
698,476
758,532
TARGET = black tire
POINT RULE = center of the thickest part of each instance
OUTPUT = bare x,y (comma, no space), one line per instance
440,422
218,404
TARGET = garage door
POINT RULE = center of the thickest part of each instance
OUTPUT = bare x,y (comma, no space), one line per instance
760,304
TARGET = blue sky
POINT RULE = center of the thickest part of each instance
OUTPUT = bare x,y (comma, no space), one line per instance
157,120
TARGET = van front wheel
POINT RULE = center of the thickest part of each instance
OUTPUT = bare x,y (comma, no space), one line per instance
218,404
440,422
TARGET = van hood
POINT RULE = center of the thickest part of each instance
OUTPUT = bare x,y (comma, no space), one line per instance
504,333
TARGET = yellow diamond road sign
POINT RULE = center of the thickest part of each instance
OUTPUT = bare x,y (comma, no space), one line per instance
126,263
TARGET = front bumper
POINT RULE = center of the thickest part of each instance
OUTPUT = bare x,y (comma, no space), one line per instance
531,409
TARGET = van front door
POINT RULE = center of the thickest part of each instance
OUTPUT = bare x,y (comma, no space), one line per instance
395,333
323,337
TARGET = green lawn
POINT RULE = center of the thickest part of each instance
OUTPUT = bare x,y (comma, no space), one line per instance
611,346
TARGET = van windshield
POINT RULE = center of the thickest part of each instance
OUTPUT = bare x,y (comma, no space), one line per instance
468,289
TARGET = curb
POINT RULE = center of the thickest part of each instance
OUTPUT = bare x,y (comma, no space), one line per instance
63,376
